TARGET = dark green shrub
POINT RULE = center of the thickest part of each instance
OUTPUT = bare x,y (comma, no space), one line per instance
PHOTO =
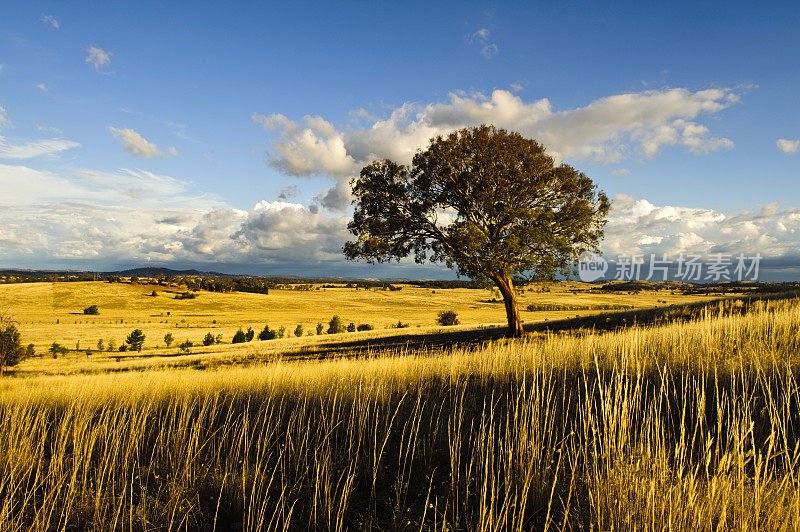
239,337
335,325
91,310
267,333
249,335
209,339
365,327
320,328
185,346
351,327
298,331
135,340
168,339
447,317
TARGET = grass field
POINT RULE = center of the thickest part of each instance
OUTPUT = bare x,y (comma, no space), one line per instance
682,426
53,312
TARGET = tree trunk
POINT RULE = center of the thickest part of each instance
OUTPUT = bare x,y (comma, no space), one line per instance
506,287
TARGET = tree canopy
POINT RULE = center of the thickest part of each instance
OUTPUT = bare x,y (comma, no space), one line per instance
486,202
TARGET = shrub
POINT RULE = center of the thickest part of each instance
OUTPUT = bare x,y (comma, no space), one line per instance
249,335
351,327
239,337
267,333
335,325
281,331
135,340
100,345
112,345
209,339
400,325
365,327
185,346
123,347
168,339
447,317
11,351
298,331
320,328
154,294
91,310
218,339
185,295
57,349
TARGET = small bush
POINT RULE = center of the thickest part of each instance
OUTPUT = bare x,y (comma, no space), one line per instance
281,331
91,310
185,295
335,325
298,331
320,328
400,325
123,347
209,339
267,333
112,345
57,349
135,340
351,327
185,346
447,317
239,337
249,335
168,339
365,327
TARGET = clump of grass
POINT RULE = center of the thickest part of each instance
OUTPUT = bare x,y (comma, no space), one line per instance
684,426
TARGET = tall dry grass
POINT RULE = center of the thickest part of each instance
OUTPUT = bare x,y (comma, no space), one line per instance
690,426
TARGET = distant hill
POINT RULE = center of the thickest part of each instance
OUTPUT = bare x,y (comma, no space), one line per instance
152,271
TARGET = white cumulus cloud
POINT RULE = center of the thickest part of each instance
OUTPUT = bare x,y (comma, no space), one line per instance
607,130
788,146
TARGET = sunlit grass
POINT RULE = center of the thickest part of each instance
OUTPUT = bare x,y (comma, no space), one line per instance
678,427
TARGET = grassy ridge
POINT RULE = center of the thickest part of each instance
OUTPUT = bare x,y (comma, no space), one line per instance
689,425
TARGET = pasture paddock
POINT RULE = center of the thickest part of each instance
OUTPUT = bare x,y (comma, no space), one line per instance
53,312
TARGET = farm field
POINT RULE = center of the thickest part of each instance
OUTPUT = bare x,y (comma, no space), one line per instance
53,312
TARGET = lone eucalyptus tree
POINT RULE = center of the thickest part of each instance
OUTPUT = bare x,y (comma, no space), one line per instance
487,202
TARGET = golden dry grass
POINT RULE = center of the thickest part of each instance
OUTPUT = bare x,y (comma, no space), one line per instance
689,426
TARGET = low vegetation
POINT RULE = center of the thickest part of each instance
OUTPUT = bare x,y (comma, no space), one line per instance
685,426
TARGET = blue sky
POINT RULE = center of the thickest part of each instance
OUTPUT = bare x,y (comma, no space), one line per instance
176,133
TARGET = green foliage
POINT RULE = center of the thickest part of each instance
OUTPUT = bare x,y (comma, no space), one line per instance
400,325
91,310
365,327
185,346
30,351
335,325
320,328
298,331
123,347
135,340
239,337
168,339
57,349
281,331
447,317
249,335
100,345
11,351
112,344
351,327
209,339
267,333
